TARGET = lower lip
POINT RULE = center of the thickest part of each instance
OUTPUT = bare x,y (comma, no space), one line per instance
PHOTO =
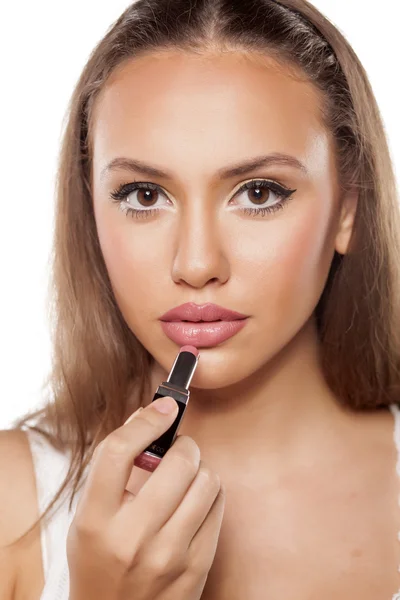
201,335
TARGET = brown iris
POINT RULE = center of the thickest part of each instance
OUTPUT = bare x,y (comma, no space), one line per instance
147,196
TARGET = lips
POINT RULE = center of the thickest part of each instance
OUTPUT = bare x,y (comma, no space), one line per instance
201,326
206,312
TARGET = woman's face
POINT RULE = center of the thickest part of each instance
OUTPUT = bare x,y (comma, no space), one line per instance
192,117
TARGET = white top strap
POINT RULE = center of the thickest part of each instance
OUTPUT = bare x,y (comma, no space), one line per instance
51,467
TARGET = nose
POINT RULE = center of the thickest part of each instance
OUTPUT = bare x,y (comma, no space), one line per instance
200,256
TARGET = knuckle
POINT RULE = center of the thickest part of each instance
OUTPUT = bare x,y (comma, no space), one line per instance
187,450
84,529
199,567
211,478
148,417
115,444
187,464
161,563
123,557
148,420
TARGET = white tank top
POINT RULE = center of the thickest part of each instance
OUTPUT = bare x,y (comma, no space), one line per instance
51,467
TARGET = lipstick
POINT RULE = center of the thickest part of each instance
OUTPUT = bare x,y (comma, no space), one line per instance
176,386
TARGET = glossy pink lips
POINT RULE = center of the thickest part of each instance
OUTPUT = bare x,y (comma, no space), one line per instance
202,326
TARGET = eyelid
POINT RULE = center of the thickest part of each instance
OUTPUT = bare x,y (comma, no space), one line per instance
260,179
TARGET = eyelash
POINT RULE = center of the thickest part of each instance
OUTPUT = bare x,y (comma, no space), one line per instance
122,192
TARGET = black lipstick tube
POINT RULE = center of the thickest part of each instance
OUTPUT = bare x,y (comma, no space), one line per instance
176,386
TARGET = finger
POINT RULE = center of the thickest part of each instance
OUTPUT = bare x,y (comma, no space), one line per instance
113,461
204,544
183,525
164,490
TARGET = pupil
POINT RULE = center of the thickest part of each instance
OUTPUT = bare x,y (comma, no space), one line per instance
258,192
146,196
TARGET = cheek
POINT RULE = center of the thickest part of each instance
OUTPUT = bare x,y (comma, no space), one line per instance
286,263
131,253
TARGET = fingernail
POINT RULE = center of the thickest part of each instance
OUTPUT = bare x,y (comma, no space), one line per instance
165,405
133,414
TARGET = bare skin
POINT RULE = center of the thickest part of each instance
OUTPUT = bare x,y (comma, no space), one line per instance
311,487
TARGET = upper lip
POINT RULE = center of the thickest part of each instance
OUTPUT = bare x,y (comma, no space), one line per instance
204,312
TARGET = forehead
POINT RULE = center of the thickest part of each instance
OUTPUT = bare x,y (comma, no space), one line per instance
212,107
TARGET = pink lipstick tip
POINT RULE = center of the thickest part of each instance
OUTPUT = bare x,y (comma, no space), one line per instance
191,349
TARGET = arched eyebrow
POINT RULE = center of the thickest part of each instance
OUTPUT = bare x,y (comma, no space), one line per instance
243,168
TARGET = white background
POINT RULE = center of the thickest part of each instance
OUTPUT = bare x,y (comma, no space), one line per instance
43,48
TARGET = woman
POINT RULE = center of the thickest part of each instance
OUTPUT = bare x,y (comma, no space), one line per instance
228,153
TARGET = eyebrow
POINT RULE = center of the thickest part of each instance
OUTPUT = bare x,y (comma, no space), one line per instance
242,168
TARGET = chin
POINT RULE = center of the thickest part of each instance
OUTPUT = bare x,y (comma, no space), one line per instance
216,371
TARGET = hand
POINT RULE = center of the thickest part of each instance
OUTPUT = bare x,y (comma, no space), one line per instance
159,544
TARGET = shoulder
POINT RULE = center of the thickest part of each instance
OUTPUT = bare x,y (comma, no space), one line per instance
17,481
18,504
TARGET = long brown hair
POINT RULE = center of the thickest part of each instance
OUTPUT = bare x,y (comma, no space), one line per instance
96,359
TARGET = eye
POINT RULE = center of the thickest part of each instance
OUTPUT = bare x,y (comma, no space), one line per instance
262,195
141,202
